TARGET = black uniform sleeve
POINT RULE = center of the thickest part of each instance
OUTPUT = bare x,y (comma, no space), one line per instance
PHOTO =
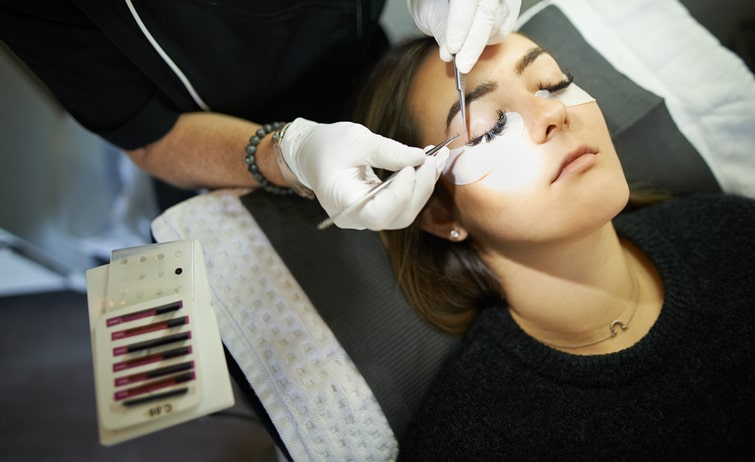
92,79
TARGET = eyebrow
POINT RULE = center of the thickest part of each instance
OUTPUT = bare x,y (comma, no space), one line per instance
486,87
478,92
528,59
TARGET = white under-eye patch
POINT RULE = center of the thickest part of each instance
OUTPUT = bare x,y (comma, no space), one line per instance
570,96
479,160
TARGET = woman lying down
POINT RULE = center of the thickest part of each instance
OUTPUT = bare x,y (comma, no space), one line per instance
589,335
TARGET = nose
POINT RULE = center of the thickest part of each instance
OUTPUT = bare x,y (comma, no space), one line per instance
546,117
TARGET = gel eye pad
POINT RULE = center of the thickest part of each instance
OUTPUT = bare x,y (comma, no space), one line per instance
570,96
469,164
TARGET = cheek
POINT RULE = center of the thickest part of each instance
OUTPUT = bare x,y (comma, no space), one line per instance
519,169
508,162
492,217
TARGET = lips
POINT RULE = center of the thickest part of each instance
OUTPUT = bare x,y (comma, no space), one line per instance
574,161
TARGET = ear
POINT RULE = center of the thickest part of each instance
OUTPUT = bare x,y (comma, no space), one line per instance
438,220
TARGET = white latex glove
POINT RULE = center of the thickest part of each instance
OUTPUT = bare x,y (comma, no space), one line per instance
335,161
464,27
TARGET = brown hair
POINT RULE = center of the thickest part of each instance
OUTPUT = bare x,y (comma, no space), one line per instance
445,281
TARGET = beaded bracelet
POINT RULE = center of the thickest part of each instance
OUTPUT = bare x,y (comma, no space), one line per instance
251,160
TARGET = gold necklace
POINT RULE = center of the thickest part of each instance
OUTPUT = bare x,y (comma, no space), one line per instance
614,323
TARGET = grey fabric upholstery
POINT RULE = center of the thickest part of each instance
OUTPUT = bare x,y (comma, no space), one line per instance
348,278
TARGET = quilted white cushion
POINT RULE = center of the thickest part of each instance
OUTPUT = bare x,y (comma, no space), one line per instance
318,401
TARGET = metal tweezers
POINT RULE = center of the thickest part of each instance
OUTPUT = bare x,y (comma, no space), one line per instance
377,188
461,88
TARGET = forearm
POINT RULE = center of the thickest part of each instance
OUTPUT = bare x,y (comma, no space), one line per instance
207,150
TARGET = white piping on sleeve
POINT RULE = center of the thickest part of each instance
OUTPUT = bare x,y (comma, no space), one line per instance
176,70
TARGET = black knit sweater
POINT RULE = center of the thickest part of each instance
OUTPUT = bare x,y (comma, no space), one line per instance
684,392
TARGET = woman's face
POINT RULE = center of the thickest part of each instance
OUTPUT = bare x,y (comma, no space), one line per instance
550,172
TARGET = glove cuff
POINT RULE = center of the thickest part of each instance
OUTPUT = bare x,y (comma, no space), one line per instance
291,179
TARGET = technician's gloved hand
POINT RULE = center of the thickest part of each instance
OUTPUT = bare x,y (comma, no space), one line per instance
464,27
336,161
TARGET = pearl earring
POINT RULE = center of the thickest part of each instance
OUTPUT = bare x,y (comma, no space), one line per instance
455,234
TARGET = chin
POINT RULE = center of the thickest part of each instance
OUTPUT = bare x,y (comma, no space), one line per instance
605,199
616,198
610,186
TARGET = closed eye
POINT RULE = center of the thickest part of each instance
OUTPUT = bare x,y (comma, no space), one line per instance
554,88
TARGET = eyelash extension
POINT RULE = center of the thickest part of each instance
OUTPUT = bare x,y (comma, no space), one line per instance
501,122
493,132
559,86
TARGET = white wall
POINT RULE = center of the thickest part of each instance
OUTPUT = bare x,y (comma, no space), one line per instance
397,22
69,196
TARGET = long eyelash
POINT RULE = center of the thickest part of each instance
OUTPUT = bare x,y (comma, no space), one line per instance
493,132
559,86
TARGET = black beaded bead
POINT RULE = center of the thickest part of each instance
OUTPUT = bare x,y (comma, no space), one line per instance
251,161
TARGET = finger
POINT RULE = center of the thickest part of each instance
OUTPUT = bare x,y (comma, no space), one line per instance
387,205
391,155
481,29
344,192
472,48
441,158
445,55
461,17
440,38
505,22
425,179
